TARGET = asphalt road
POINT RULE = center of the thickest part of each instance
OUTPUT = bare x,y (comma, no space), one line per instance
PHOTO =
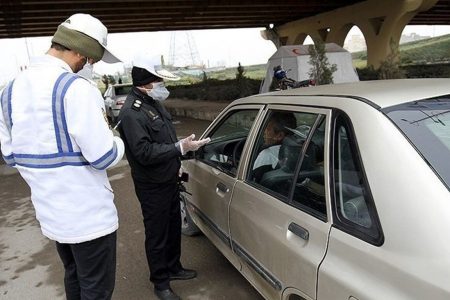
30,267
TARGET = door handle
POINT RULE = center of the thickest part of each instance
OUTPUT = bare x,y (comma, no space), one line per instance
299,231
221,187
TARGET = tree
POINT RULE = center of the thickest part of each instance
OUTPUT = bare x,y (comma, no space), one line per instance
321,71
111,79
390,68
105,80
242,83
240,72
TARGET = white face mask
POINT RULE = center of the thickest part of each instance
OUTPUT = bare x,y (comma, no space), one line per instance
158,92
87,71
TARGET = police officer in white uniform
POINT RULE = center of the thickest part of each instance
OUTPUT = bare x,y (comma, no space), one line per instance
154,152
53,130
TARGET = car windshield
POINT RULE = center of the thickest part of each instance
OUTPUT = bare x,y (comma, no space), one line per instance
426,123
122,90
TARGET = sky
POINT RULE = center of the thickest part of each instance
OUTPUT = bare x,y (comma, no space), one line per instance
221,47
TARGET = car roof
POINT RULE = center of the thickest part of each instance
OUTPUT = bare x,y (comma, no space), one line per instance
379,93
121,84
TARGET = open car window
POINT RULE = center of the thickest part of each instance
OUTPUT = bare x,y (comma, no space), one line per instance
227,141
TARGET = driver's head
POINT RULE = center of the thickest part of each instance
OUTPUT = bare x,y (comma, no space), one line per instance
278,127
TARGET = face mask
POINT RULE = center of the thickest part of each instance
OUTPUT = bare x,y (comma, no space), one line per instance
87,70
158,92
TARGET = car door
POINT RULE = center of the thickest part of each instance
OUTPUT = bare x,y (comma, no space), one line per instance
279,221
356,237
212,174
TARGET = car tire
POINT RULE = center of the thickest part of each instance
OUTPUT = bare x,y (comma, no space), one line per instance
188,226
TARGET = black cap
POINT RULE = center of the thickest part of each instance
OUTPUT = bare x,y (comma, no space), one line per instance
142,77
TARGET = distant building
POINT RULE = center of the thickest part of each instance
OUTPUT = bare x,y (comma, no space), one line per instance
413,37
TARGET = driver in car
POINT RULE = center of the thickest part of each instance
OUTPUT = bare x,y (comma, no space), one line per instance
278,127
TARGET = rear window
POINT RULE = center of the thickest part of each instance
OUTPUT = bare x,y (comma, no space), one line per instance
122,90
426,123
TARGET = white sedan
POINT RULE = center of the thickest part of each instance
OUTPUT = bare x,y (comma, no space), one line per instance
331,192
115,96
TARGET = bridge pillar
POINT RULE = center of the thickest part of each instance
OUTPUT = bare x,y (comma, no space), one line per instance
380,21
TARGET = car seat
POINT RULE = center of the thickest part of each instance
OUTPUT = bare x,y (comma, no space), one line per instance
280,179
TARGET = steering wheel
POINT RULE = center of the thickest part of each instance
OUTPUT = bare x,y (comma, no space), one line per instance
238,150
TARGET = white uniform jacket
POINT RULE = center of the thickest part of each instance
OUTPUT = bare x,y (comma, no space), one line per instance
53,130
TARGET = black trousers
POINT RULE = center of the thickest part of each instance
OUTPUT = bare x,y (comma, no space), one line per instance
160,204
90,268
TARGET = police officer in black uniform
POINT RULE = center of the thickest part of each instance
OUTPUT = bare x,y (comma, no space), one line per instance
153,152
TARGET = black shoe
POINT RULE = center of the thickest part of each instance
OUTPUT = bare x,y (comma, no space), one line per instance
167,294
183,274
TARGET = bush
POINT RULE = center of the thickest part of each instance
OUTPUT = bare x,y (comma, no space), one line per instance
216,90
441,70
367,73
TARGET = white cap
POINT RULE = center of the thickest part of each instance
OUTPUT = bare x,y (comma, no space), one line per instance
92,27
153,65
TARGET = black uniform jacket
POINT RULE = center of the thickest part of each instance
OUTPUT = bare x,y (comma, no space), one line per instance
149,136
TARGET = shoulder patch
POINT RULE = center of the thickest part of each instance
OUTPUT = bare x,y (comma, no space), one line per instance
136,104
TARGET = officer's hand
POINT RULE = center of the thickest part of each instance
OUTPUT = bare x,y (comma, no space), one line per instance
189,144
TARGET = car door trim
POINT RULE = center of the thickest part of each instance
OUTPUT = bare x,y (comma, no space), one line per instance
219,232
266,275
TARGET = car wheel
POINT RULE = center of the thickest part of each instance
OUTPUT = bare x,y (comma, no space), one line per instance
187,225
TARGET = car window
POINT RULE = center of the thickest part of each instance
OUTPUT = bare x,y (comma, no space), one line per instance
426,124
309,191
278,150
122,90
227,141
355,208
108,93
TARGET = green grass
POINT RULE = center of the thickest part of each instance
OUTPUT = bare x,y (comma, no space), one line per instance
435,49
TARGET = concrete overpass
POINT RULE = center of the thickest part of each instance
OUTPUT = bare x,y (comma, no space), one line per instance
287,21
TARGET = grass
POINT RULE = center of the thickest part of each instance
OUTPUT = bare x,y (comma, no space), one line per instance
435,49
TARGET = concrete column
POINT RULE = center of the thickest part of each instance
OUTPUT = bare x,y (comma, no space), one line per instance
380,21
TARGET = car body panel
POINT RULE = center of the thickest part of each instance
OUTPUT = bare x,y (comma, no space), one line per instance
115,96
408,250
219,239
